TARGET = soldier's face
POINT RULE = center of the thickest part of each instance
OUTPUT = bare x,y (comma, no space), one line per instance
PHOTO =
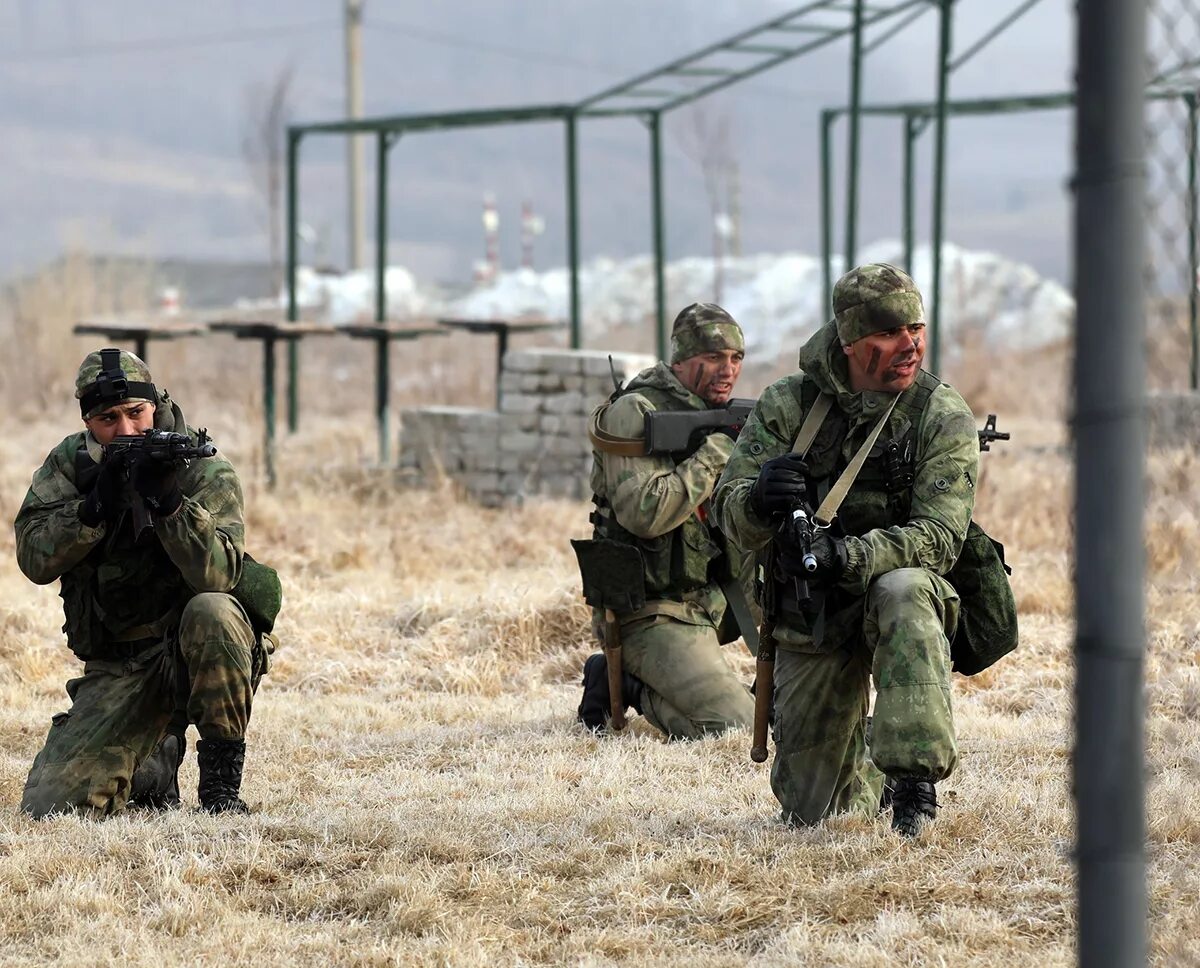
123,420
886,361
710,376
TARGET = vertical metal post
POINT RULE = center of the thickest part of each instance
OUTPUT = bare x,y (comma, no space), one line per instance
383,345
573,230
856,58
382,143
656,192
292,313
1193,210
293,395
293,151
827,119
1109,757
354,142
141,346
909,194
269,408
939,185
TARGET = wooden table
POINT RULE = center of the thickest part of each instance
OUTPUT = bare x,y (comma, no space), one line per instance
383,336
502,328
269,333
140,332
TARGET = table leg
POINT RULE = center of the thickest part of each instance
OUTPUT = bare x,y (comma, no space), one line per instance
269,407
382,392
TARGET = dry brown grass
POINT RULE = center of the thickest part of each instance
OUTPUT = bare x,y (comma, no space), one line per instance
423,795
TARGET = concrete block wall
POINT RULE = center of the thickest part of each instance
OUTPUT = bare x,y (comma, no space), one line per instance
535,444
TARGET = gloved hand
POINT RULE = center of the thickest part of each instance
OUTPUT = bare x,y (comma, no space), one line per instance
780,486
828,549
158,484
103,501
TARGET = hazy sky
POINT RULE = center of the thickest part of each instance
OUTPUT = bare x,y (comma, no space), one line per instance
121,126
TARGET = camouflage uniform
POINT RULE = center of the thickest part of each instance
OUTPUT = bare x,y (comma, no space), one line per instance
892,613
153,622
672,644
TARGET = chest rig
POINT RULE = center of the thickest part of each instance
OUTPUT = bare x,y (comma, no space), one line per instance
678,561
123,590
882,493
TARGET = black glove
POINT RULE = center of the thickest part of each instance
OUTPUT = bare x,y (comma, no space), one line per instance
103,501
828,549
157,482
780,486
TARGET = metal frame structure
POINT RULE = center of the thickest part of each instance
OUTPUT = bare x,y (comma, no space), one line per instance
646,97
916,118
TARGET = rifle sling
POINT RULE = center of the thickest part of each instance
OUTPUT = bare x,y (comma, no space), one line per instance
735,598
824,515
608,443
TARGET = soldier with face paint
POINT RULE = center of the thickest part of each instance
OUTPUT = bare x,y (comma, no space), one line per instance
882,609
676,675
163,641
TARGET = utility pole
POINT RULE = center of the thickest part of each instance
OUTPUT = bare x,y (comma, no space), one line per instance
354,145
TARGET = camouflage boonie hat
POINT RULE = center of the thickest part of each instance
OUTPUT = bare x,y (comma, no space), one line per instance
873,299
703,328
99,386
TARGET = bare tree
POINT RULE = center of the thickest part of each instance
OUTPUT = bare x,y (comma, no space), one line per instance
707,140
269,111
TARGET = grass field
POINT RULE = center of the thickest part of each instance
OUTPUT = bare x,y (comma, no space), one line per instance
423,796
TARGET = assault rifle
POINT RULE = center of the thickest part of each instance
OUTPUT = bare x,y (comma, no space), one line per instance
989,434
799,531
679,431
156,445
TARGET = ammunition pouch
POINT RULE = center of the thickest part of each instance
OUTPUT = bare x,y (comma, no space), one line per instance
987,616
259,592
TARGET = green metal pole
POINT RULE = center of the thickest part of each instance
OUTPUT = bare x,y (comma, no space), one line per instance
910,203
573,230
293,149
827,119
382,143
660,287
292,314
856,59
382,344
939,184
1193,251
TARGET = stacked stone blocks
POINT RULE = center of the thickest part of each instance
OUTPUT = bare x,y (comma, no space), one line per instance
536,444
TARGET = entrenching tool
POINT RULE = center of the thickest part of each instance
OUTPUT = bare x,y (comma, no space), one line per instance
613,580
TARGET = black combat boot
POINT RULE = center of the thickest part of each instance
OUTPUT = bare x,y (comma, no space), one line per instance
155,783
914,801
593,709
220,762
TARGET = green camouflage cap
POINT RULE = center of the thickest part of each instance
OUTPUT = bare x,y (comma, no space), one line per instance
703,328
98,387
873,299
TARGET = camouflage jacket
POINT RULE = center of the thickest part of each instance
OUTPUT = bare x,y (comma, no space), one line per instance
655,500
114,591
923,527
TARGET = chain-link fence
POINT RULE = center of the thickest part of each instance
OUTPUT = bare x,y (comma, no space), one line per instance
1173,53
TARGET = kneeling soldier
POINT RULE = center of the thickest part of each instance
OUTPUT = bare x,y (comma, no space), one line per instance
656,503
866,598
148,548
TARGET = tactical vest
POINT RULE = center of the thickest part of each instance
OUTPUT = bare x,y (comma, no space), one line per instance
678,561
882,493
120,591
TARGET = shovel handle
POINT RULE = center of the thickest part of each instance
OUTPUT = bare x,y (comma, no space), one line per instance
612,653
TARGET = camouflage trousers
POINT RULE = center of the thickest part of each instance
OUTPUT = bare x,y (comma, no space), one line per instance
121,709
690,690
822,763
